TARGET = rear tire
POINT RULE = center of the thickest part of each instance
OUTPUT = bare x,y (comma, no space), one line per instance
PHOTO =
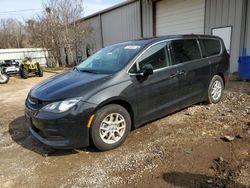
215,90
40,70
21,72
24,73
110,128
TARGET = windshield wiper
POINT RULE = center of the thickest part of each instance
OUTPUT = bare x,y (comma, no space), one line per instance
88,71
75,68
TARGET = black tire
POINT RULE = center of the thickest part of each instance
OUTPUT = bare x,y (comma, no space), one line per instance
21,72
24,73
211,98
100,115
4,78
40,70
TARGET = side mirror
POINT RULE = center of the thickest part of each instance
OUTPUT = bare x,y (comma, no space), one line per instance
147,70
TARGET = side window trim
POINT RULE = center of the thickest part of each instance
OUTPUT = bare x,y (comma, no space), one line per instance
164,46
167,51
144,51
171,53
199,45
191,38
203,55
221,51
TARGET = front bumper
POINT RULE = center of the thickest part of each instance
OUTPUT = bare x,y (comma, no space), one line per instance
66,130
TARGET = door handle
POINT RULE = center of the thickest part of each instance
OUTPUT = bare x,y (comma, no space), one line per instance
173,75
181,72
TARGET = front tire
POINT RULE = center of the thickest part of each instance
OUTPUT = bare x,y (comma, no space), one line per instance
4,78
110,128
215,90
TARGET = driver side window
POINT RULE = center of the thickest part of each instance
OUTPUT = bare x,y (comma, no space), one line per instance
157,56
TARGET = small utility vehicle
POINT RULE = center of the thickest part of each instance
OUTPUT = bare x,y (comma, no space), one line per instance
30,66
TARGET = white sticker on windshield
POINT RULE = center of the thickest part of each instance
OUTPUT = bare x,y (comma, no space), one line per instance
132,47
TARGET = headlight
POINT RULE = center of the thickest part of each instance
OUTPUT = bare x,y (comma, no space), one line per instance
61,106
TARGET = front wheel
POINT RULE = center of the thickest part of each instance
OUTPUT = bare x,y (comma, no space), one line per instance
215,90
110,128
4,78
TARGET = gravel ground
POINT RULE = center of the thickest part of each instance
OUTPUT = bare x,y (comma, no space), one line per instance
185,149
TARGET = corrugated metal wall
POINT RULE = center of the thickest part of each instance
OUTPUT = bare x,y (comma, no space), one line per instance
147,18
113,26
124,23
247,33
221,13
94,40
121,24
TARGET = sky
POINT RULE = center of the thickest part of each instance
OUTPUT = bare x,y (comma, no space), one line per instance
26,9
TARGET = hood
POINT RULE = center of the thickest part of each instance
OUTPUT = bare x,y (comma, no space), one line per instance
67,85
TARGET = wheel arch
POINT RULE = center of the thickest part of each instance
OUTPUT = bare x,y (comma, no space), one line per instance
222,76
122,102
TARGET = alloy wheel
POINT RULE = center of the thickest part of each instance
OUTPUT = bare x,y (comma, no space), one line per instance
112,128
216,90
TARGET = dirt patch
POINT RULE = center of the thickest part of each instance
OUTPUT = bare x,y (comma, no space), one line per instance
198,180
181,150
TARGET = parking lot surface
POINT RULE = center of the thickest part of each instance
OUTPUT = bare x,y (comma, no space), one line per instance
200,146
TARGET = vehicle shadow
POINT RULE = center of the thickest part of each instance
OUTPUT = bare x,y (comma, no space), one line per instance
17,76
19,132
172,113
189,180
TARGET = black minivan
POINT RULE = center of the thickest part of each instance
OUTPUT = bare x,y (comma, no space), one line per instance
125,85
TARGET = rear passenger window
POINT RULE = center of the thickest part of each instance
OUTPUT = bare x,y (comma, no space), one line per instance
157,56
185,50
211,47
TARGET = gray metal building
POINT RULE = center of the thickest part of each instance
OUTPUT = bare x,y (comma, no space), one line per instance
229,19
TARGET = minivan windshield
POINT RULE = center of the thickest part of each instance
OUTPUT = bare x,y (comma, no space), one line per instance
110,59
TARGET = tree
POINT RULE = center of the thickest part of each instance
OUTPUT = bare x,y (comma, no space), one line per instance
12,34
58,27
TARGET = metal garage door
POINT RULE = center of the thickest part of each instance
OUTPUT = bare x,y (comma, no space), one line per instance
180,17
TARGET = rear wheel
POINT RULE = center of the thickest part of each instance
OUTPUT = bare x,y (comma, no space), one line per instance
24,73
215,90
4,78
21,72
110,127
40,70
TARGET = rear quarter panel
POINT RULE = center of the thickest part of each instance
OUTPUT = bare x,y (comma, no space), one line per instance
220,63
